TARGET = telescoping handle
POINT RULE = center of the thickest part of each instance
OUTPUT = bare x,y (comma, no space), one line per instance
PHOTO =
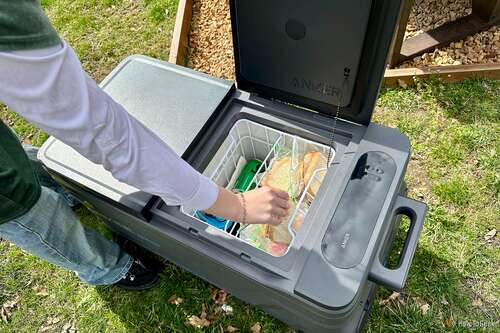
395,279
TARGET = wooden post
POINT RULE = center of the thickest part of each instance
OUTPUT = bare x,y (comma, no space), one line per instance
399,34
180,38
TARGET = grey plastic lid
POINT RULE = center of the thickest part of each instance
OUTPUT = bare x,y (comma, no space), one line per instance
316,54
174,102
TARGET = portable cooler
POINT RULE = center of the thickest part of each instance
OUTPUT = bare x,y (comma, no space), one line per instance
296,63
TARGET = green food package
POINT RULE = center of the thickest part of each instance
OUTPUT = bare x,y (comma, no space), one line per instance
244,182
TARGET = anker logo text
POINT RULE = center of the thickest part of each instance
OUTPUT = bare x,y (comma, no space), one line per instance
347,236
322,88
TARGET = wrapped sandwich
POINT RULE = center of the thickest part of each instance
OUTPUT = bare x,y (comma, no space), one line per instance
286,177
314,162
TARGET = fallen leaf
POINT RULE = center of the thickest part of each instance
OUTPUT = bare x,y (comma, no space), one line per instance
256,328
448,323
201,321
424,306
402,84
231,329
49,324
219,296
203,314
40,291
492,233
69,328
176,300
394,296
8,308
477,302
198,322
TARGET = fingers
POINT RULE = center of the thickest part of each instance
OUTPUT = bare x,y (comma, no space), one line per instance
279,212
282,203
275,220
280,193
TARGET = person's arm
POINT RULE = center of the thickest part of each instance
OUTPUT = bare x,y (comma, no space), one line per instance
50,89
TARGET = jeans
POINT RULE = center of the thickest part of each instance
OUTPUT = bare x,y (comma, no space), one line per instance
52,231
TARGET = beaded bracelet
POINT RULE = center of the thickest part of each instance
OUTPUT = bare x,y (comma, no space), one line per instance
244,204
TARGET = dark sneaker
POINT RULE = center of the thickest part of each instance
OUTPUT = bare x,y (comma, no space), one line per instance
139,277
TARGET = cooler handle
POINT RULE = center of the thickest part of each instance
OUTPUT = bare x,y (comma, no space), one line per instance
395,279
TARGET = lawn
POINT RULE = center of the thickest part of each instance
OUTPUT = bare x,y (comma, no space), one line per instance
455,168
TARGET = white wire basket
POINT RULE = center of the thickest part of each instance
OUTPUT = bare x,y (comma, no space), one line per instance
254,141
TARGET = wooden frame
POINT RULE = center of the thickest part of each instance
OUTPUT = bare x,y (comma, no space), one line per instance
406,76
180,43
485,13
180,38
399,34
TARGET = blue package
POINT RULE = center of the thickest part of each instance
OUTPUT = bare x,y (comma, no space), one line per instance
218,222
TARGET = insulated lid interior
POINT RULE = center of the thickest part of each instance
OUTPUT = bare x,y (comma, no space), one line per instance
317,54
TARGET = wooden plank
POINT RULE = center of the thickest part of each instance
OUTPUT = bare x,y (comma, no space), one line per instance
397,42
442,36
395,77
180,38
487,10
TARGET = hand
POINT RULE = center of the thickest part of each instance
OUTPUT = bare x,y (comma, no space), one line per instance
264,205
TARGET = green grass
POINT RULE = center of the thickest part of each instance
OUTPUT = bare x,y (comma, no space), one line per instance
455,134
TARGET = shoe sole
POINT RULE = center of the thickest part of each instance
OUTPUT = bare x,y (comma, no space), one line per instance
142,286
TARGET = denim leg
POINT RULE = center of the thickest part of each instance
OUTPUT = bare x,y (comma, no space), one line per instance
52,231
45,178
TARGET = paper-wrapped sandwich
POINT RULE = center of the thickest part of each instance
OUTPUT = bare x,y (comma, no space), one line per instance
314,161
284,177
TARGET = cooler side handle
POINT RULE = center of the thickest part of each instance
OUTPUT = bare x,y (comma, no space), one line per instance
395,279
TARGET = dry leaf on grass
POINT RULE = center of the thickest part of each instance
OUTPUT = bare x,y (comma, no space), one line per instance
201,321
198,322
490,235
176,300
203,314
69,328
219,296
424,306
448,323
40,291
231,329
49,324
477,302
256,328
402,84
8,308
392,298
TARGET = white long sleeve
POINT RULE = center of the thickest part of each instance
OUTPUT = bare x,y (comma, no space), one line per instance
50,89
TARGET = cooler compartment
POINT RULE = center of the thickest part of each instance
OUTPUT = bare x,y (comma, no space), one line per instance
254,155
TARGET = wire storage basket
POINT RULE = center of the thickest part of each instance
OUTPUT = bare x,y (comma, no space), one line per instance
248,140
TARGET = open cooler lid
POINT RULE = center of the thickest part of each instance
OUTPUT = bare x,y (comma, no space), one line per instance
317,53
